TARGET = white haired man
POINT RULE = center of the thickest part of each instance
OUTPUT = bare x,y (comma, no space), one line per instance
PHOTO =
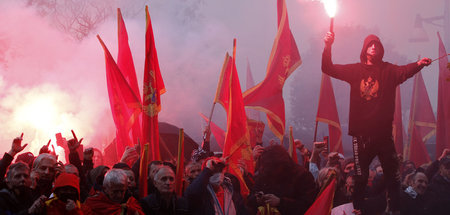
112,200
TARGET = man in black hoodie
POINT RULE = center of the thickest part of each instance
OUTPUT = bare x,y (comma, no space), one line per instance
372,102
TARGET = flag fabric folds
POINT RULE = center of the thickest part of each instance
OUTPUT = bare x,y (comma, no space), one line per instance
417,151
223,88
422,124
397,127
122,100
237,145
126,66
218,132
267,96
153,88
324,202
443,109
327,113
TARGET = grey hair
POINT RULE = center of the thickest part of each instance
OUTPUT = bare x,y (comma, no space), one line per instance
115,176
43,156
322,177
18,165
159,170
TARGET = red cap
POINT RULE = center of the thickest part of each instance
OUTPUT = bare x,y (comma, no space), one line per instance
67,179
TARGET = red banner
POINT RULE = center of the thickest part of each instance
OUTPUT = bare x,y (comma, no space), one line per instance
324,202
421,119
443,109
267,96
327,113
153,88
126,66
237,143
223,88
123,101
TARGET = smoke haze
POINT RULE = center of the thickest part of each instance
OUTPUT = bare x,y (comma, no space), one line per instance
52,81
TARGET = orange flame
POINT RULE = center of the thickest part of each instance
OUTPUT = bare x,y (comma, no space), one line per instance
330,7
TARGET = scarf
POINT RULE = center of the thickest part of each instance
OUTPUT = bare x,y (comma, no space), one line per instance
411,192
228,202
101,204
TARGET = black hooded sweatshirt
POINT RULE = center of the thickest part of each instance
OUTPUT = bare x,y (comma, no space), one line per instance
372,89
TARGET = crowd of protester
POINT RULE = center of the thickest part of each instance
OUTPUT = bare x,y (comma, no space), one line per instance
44,185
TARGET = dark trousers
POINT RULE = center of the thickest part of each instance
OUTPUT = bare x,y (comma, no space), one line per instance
364,151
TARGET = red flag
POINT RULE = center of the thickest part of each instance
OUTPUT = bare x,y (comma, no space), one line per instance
267,96
218,133
153,88
223,88
417,153
397,126
443,109
292,148
323,203
421,118
126,66
122,100
237,145
180,164
327,113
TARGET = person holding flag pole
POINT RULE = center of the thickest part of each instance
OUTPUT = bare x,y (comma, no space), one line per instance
372,103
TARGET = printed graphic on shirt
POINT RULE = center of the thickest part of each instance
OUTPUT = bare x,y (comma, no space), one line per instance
369,88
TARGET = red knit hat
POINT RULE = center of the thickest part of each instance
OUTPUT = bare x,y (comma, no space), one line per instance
67,179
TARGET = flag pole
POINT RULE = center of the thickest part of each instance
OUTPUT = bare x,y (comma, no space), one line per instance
315,131
208,127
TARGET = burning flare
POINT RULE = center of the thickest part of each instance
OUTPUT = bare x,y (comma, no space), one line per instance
330,7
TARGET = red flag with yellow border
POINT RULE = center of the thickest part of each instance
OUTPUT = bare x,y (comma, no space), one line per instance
153,89
422,124
122,100
223,88
267,96
324,202
237,143
327,113
126,66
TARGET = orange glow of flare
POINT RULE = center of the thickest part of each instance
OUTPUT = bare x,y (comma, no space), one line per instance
330,7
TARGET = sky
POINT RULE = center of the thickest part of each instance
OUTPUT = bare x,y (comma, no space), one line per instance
51,82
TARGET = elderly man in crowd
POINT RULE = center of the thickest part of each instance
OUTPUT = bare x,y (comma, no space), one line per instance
45,168
112,200
17,198
164,201
212,193
413,197
439,189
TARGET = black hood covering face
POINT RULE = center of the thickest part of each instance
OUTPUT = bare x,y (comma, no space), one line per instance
368,41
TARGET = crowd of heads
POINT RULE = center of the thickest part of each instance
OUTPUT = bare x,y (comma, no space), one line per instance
78,185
